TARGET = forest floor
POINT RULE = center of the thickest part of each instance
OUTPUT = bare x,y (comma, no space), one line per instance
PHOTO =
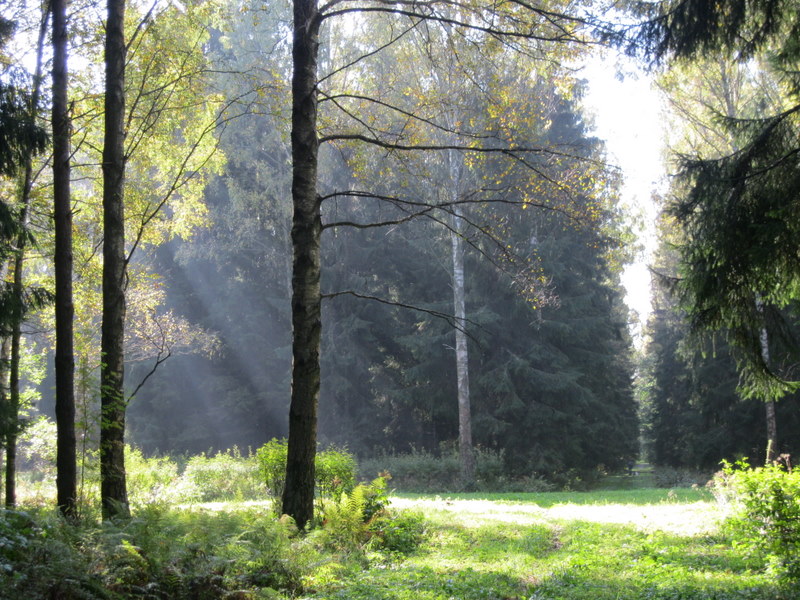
621,545
632,544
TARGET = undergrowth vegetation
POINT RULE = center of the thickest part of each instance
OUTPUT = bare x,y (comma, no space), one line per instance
362,550
473,546
765,503
422,471
636,543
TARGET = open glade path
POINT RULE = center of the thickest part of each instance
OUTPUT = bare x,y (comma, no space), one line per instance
632,544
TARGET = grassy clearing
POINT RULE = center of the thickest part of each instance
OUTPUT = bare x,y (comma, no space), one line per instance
638,496
563,546
621,545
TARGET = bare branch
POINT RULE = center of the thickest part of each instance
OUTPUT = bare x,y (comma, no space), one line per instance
509,151
414,10
368,54
397,109
450,319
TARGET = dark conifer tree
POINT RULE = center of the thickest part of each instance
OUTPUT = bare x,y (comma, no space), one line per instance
739,211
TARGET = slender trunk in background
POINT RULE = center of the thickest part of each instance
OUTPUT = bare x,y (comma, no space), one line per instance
10,454
66,470
13,376
17,285
5,345
298,495
465,450
772,432
772,424
113,487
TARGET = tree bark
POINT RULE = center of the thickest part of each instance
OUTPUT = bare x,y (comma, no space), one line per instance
465,450
772,432
772,423
10,426
13,374
298,495
17,283
66,469
5,345
113,487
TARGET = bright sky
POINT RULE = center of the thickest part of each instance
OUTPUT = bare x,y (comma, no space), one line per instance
626,111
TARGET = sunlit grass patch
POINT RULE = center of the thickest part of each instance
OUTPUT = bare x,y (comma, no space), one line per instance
682,511
587,548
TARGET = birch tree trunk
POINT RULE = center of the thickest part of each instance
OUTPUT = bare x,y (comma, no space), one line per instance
772,423
66,470
113,487
298,495
465,451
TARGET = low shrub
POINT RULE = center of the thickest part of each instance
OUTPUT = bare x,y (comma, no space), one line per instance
271,458
399,531
335,471
225,475
151,480
418,470
765,506
361,518
422,471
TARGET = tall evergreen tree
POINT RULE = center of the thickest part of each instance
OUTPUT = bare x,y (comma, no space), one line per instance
738,208
693,414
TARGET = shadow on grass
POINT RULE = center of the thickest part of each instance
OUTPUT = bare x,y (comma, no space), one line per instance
566,561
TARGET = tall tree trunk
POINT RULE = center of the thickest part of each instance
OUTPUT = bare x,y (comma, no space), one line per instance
772,432
465,450
298,495
10,426
18,267
5,345
113,487
13,377
66,470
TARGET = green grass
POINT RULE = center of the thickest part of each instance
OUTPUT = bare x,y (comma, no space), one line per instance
527,546
638,544
639,496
